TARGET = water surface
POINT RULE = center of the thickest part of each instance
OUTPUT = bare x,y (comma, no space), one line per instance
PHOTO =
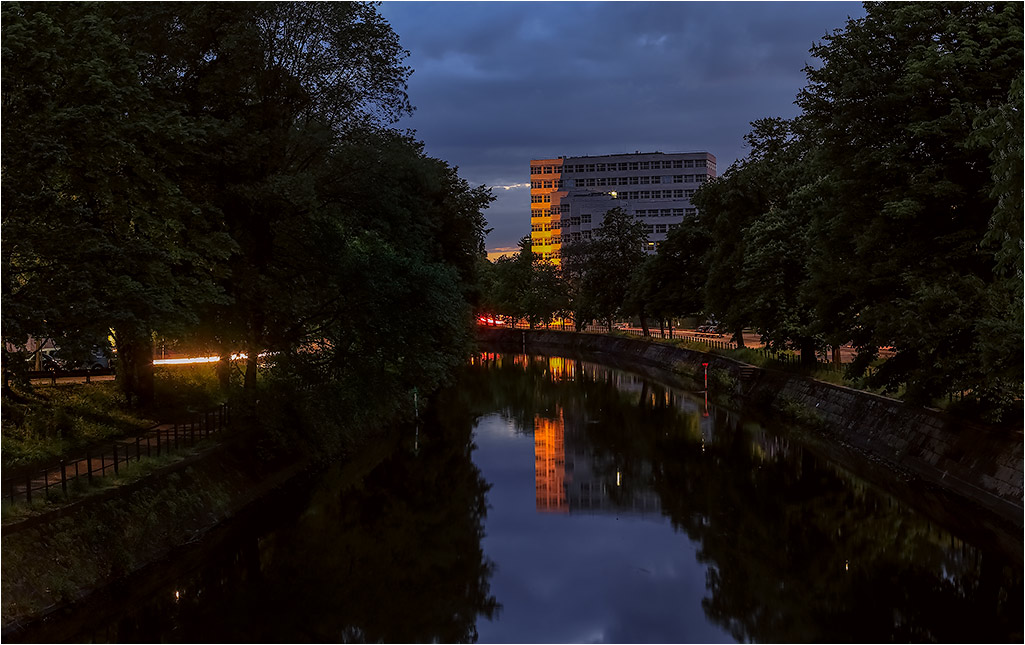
544,499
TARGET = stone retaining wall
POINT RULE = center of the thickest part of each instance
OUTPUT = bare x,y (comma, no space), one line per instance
980,463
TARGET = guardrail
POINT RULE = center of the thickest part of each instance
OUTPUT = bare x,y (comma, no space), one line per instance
106,459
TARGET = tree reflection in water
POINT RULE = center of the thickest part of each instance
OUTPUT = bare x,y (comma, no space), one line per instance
797,549
389,548
389,554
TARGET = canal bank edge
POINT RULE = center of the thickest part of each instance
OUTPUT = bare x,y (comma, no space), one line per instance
980,464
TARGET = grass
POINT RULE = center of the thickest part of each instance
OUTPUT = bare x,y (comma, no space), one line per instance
46,422
79,488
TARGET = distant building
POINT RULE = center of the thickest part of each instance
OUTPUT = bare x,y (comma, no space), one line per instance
569,196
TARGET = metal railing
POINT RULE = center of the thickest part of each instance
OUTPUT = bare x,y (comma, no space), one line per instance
107,459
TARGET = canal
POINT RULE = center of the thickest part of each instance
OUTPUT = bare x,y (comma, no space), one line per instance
547,499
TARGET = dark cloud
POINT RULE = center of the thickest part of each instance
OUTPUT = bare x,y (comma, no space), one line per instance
498,83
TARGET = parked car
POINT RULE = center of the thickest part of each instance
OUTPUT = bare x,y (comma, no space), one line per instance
47,361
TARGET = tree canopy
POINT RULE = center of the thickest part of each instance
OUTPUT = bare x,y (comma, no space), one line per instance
229,175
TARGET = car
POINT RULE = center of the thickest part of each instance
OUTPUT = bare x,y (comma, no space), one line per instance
46,360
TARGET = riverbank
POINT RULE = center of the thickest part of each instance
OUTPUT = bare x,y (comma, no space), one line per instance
63,557
981,465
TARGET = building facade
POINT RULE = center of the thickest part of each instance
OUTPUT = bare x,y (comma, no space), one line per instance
569,196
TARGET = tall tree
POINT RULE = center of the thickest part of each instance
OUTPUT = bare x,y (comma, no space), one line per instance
907,189
97,233
601,269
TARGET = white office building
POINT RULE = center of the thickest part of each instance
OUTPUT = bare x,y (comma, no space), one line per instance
569,196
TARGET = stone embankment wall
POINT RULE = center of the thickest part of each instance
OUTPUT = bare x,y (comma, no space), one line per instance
979,463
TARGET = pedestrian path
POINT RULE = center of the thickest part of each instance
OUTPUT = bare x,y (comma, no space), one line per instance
106,459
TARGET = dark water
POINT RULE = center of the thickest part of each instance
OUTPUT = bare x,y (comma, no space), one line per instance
553,500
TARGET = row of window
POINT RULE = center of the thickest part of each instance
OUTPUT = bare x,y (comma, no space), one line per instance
540,199
665,212
546,241
633,181
667,164
547,183
656,194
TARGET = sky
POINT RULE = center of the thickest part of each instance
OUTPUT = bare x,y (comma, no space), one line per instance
496,84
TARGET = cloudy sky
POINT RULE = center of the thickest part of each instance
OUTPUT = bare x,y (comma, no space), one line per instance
496,84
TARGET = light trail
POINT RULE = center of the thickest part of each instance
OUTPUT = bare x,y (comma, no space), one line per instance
192,360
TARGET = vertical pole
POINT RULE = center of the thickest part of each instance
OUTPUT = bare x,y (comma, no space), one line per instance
115,458
64,478
176,436
89,467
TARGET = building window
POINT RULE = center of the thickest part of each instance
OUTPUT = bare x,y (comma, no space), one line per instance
665,212
601,181
692,212
600,167
547,170
660,228
632,165
589,167
645,180
677,212
677,179
535,170
700,178
645,194
689,193
689,163
585,218
645,165
700,163
585,235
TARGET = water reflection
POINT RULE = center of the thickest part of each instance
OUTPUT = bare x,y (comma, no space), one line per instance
554,500
793,548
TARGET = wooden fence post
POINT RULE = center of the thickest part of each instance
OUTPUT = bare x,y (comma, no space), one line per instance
89,467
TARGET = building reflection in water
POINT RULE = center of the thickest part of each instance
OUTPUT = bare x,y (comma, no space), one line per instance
550,465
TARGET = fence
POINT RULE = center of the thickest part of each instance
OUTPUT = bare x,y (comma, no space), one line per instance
107,459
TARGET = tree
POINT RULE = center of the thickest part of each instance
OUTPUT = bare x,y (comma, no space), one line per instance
601,269
97,233
907,187
676,276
